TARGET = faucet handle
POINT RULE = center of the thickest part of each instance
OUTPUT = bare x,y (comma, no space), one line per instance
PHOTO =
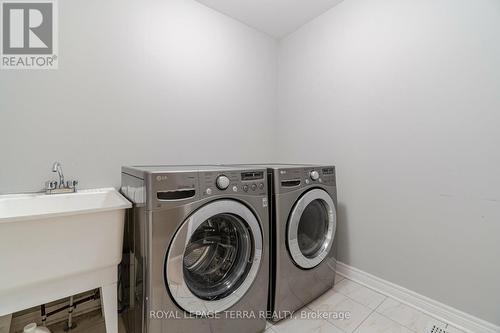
72,183
51,185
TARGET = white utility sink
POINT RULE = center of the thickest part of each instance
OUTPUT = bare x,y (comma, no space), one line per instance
55,246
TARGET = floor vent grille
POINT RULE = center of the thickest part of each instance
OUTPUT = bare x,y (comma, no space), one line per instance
437,329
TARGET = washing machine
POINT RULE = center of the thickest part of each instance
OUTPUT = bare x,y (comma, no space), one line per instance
198,248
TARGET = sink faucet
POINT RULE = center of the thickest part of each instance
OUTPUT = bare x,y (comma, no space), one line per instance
54,187
58,168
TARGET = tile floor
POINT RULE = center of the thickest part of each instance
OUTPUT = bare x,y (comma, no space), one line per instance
370,312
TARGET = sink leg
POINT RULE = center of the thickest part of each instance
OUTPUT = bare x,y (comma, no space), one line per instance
109,302
5,323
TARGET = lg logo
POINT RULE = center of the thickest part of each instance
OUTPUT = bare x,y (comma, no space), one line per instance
29,28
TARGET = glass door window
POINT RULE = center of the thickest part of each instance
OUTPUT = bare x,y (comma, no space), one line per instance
218,256
214,257
311,228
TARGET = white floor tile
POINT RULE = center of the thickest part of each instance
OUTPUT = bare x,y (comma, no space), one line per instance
301,324
359,293
407,316
335,304
377,323
452,329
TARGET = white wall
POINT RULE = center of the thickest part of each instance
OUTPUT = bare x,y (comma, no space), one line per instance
154,81
403,96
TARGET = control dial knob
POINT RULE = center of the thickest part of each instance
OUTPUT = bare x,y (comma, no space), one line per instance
222,182
314,175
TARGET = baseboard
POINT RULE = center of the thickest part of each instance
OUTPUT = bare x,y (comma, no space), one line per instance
440,311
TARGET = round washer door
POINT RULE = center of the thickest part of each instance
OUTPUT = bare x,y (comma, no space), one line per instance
311,228
214,257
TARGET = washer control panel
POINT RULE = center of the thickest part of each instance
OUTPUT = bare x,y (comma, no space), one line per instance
226,182
160,187
170,188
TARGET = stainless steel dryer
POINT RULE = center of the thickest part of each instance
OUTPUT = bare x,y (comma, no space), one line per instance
303,259
199,247
303,219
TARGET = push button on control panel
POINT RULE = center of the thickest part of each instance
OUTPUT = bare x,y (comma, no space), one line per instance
254,187
245,188
261,186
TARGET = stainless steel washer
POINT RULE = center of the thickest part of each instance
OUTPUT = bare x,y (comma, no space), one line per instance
199,248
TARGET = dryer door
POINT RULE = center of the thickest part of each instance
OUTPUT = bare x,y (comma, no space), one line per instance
214,257
311,228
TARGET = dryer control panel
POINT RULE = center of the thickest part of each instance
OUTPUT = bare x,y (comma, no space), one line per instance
288,179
